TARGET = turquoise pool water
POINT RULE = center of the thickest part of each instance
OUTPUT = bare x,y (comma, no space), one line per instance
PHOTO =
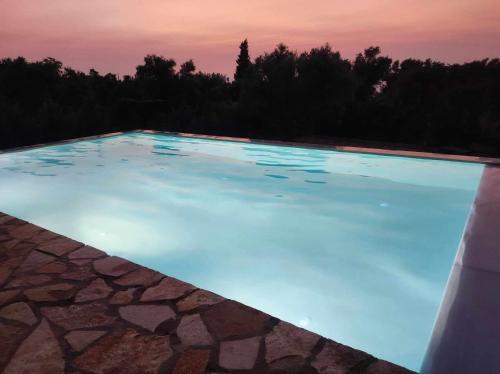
355,247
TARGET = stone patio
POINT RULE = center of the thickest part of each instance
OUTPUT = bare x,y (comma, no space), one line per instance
69,308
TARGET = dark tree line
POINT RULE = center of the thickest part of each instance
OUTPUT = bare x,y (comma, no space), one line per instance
315,96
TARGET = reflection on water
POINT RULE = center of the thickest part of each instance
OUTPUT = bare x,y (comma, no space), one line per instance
355,247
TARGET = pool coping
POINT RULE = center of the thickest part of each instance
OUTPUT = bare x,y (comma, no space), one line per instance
466,334
67,307
331,147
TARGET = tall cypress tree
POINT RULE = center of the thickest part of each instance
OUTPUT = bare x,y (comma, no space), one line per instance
243,63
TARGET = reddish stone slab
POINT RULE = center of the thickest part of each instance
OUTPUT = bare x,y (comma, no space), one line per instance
52,268
10,336
114,266
9,244
6,296
34,260
197,299
4,238
86,252
97,289
43,236
193,332
141,277
13,222
79,274
28,280
338,358
81,262
193,361
59,246
51,292
123,297
232,319
290,364
16,248
147,316
239,354
79,316
39,353
79,340
7,267
5,219
288,340
168,289
23,232
20,312
127,352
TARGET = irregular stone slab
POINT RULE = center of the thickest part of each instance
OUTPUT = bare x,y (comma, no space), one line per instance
15,221
79,340
7,267
123,297
141,277
197,299
97,289
51,292
288,340
193,332
52,268
78,274
80,316
168,289
34,260
114,266
38,353
290,364
43,236
5,219
19,312
126,352
59,246
193,361
23,232
86,252
384,367
28,281
239,354
81,262
230,319
6,296
147,316
9,339
338,358
6,245
4,238
19,249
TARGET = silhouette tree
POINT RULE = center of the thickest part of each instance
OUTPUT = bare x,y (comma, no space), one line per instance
315,96
243,63
187,69
371,69
326,87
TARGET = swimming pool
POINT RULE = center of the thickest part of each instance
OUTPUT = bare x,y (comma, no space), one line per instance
355,247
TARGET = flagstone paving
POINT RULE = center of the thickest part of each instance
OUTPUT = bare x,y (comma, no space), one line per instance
69,308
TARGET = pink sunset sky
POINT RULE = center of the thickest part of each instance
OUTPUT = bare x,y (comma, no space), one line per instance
115,35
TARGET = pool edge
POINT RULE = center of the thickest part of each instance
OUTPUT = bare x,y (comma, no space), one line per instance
466,334
338,148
